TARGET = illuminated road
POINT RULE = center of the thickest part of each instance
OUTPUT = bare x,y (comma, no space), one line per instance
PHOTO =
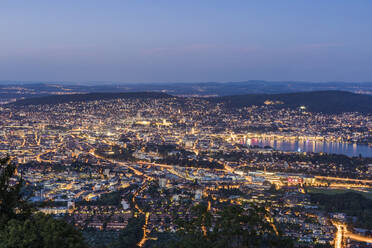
271,222
39,159
145,231
348,186
144,184
344,179
358,237
137,172
339,236
170,168
342,234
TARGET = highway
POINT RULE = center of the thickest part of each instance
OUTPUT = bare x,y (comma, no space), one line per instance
343,179
339,236
343,233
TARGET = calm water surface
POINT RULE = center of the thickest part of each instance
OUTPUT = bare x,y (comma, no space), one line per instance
348,149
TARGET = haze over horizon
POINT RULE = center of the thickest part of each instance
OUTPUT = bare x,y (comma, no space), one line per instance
193,41
117,83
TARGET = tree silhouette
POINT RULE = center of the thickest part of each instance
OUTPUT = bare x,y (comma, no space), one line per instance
20,227
131,235
13,204
233,227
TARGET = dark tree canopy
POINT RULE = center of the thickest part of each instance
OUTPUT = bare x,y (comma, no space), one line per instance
233,227
40,231
351,203
20,227
13,204
131,235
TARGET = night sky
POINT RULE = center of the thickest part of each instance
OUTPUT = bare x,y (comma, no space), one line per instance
185,41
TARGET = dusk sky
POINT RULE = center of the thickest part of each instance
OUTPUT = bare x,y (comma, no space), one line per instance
185,41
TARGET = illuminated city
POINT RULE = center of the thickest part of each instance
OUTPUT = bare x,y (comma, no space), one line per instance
158,155
186,124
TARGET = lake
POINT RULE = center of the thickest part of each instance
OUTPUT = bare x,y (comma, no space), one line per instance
348,149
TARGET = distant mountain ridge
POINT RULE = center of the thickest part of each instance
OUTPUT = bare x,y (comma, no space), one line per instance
332,102
10,91
58,99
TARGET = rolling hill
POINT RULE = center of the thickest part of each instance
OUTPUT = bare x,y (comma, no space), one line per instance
58,99
331,102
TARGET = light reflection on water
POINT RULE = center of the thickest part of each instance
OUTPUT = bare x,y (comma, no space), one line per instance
348,149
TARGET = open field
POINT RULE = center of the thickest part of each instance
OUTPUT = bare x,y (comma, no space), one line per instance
366,194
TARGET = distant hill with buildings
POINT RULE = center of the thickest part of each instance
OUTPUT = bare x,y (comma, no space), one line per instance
11,91
316,101
330,102
58,99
